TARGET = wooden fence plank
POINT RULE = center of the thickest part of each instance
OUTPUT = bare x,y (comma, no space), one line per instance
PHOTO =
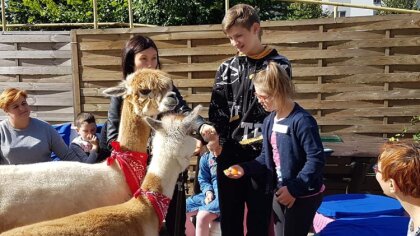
409,23
334,70
6,47
376,112
34,38
35,54
379,95
374,128
55,99
32,70
37,86
64,46
380,61
330,105
301,37
377,78
380,43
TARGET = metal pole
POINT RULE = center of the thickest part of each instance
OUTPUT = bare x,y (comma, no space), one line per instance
95,14
399,10
3,15
226,5
130,14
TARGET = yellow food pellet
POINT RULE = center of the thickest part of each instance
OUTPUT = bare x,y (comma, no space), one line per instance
234,171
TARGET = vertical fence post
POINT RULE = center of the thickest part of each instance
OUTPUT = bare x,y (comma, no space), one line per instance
130,14
95,14
226,5
335,12
3,15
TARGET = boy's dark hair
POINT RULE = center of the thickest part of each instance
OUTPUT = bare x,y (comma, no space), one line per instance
240,15
84,117
134,45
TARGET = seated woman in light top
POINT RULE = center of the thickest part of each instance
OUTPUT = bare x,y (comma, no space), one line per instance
26,140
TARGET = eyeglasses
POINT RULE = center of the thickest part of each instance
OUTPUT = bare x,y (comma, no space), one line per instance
376,169
262,97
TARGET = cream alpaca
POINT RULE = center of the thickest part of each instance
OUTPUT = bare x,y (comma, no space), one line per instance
44,191
172,151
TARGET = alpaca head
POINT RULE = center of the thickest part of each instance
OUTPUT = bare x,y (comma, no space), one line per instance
148,90
173,137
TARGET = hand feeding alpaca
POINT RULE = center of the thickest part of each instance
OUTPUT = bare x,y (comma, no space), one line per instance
44,191
143,214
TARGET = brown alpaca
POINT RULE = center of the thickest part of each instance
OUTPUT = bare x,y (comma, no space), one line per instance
146,93
172,149
58,189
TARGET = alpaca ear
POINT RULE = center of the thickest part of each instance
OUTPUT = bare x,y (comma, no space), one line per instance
154,124
115,91
193,114
197,110
189,121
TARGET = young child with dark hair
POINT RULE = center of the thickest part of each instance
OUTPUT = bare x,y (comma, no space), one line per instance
86,143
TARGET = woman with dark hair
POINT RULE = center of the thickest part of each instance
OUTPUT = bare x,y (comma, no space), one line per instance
141,52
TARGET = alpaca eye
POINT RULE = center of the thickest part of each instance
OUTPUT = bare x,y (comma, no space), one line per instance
145,92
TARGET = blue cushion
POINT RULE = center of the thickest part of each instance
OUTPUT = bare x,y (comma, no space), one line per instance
359,205
373,226
64,130
99,128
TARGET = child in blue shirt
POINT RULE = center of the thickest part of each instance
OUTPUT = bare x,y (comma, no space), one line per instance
204,205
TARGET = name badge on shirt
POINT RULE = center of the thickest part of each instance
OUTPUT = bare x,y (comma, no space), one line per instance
280,128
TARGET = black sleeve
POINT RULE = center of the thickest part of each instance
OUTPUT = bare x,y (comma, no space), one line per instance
113,121
110,128
183,108
219,112
104,148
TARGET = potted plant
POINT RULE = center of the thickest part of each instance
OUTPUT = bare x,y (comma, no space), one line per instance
416,136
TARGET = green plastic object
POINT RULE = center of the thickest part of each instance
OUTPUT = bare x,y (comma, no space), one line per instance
331,139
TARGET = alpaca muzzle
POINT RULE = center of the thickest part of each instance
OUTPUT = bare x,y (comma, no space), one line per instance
169,102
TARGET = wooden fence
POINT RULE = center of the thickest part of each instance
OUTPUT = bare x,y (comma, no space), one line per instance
358,76
39,62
